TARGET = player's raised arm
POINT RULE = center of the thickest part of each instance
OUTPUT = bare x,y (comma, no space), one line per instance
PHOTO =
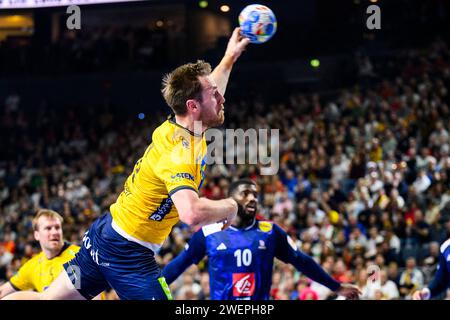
221,73
197,211
193,253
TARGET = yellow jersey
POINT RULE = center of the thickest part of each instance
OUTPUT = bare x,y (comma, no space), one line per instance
39,272
175,160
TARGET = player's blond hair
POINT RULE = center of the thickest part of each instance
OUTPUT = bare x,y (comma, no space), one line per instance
45,213
183,84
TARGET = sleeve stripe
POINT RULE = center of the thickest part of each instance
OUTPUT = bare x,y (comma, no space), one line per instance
181,188
445,245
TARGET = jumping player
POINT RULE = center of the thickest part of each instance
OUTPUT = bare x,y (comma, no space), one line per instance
119,248
240,258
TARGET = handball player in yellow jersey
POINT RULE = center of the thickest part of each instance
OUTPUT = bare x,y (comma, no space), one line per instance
118,249
42,269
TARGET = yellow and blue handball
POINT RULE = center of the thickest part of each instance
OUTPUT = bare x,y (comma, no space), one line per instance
258,23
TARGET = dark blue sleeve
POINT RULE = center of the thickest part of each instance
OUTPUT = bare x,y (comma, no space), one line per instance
305,264
440,280
193,253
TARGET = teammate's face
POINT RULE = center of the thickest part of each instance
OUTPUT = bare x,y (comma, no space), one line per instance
212,109
247,196
49,233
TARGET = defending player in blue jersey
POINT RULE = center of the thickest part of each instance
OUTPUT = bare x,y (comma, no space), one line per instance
241,257
441,280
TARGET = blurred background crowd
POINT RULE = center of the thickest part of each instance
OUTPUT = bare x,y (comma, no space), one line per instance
363,179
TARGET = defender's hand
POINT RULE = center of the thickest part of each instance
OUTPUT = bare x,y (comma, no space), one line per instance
349,291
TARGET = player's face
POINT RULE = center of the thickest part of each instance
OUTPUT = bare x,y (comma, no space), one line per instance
212,109
49,233
247,196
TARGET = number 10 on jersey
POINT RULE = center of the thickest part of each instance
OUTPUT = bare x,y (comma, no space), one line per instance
243,257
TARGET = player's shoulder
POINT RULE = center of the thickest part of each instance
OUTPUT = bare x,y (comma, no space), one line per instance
172,137
162,131
165,126
68,251
72,249
445,247
33,261
170,129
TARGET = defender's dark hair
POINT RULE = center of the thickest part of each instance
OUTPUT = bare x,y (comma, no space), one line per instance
234,185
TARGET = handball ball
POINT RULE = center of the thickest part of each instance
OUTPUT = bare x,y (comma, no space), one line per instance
258,23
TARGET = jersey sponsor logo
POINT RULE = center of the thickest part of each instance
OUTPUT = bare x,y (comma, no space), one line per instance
243,284
163,209
262,245
87,241
221,246
182,175
265,226
184,143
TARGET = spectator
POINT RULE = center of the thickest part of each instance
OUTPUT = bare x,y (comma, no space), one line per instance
389,288
411,279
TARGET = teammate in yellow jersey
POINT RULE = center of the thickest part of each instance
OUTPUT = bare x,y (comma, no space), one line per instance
119,248
38,272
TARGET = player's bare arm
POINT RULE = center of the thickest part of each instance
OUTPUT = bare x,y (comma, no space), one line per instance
197,211
6,289
236,45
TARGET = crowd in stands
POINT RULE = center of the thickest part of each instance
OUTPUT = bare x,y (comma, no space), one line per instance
107,49
363,180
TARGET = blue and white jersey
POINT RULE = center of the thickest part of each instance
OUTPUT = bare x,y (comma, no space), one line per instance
441,280
241,260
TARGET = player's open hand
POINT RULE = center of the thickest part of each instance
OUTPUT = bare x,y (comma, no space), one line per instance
236,44
349,291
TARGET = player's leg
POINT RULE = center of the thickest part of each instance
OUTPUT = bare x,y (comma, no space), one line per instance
129,268
23,295
60,289
83,271
140,285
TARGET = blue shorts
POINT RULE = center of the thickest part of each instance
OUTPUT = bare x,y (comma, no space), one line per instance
106,259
